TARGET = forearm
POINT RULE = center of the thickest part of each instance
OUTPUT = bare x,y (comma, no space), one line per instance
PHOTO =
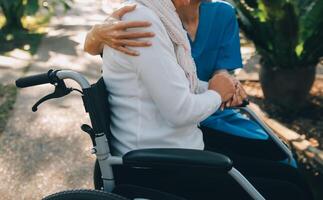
92,44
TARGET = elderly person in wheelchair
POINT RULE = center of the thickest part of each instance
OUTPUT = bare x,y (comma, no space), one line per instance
158,102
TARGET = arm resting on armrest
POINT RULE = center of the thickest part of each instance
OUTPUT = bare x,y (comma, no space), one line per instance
177,158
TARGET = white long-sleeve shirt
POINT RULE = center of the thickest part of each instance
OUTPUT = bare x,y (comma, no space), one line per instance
151,103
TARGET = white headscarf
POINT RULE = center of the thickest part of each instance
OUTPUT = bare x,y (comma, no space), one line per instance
166,11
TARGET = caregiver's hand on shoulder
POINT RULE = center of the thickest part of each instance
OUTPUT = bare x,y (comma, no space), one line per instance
224,85
113,32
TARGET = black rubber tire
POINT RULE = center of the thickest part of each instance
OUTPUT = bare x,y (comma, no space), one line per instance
84,195
130,191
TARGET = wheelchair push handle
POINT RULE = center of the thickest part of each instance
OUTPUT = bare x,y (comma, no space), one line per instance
53,77
56,78
38,79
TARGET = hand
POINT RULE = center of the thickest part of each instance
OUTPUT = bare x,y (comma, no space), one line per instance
239,95
224,85
113,33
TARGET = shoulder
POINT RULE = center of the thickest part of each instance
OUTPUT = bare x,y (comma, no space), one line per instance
141,13
222,7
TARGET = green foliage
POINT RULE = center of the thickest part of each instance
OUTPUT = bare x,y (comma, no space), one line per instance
14,10
287,33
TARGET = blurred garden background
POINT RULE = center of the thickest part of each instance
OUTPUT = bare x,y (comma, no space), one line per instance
45,152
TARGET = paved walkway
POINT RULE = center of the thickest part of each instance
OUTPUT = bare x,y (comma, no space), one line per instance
12,66
45,152
251,64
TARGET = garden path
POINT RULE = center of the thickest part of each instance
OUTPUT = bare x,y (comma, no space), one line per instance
45,152
12,66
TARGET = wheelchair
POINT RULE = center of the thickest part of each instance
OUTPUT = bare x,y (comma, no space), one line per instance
109,168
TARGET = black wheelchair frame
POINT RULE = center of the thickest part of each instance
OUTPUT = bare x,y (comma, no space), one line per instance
96,105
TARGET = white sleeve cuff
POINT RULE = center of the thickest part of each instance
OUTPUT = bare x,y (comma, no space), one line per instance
213,100
202,86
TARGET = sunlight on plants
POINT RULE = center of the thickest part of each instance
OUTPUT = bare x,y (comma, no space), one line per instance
299,49
34,24
37,23
9,37
26,47
24,22
262,15
2,21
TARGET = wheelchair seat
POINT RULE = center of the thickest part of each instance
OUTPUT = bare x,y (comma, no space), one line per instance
98,108
164,160
169,158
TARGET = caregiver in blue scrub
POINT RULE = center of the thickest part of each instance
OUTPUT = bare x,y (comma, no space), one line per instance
214,37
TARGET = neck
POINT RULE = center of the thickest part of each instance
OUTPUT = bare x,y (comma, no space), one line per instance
190,13
189,16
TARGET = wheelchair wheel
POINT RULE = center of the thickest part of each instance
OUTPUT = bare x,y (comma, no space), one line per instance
84,195
131,191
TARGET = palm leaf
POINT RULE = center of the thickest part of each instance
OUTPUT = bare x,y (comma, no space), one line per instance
286,33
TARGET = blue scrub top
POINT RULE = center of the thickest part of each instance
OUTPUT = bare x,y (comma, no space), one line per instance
217,46
217,43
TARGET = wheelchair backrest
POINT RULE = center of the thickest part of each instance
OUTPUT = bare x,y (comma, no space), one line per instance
100,111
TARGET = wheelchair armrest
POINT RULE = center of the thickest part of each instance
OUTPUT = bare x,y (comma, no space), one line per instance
170,158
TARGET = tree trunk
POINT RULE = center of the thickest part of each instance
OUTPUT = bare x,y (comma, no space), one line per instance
13,15
288,88
13,22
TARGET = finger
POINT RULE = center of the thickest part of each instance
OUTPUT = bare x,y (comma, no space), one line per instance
134,43
122,11
132,24
228,104
234,100
233,83
235,80
239,100
128,51
243,93
240,96
134,35
227,96
222,106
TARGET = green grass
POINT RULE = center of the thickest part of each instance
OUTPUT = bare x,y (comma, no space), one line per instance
8,95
